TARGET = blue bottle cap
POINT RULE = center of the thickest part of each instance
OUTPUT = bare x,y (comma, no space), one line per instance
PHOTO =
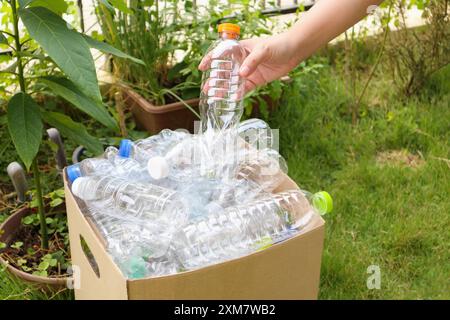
73,172
125,148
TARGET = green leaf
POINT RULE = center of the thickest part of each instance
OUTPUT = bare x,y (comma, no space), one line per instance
25,268
57,6
2,245
29,219
73,130
42,273
175,70
3,38
24,3
60,193
106,48
66,89
21,261
43,265
25,126
107,5
121,5
56,202
65,46
17,245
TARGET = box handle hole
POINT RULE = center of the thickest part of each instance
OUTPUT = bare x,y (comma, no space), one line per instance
89,256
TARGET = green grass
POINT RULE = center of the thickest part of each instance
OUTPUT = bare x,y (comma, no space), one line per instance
12,288
386,214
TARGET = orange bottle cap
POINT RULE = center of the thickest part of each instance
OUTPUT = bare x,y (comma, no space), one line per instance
229,27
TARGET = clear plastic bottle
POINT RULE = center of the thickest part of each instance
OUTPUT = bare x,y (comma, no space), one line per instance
109,163
89,167
222,88
144,149
243,229
135,200
257,133
238,191
139,249
122,234
266,167
201,194
186,160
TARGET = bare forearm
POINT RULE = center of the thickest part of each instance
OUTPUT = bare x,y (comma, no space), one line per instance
323,22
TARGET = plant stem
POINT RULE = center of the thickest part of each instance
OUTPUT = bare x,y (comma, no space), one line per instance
18,46
35,169
80,9
377,62
37,179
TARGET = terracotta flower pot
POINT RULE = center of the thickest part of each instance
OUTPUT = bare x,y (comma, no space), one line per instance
155,118
9,227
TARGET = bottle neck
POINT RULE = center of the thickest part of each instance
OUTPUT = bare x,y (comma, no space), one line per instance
226,35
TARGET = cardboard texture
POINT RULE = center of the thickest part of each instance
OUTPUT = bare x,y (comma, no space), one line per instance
286,270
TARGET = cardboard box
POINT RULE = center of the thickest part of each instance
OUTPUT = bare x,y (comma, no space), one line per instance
286,270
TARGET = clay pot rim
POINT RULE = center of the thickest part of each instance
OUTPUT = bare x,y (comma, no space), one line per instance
132,94
56,282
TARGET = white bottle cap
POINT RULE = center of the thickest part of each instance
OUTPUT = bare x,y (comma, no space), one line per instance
158,167
77,189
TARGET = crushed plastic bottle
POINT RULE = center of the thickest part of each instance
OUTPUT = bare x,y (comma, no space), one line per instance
144,149
243,229
108,163
267,168
136,200
186,160
257,133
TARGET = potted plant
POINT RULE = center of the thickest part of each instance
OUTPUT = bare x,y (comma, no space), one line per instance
60,61
171,38
158,95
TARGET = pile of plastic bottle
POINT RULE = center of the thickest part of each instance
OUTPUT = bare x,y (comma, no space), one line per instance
178,201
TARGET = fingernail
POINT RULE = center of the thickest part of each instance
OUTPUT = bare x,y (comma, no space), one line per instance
244,71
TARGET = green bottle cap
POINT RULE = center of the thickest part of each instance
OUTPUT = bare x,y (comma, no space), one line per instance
323,202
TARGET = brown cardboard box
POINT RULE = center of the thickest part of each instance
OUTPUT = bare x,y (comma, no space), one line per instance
286,270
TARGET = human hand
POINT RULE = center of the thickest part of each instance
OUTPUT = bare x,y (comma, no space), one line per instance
267,59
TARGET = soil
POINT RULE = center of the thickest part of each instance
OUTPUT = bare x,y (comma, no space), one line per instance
31,238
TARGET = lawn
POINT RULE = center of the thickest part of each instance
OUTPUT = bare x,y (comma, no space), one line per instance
389,176
390,179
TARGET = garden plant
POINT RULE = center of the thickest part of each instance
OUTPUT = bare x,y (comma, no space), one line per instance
49,41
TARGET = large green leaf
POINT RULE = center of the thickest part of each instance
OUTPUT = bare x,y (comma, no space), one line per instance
106,48
65,46
67,90
73,130
57,6
25,126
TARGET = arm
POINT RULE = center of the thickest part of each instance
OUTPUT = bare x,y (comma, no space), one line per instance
273,57
325,21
